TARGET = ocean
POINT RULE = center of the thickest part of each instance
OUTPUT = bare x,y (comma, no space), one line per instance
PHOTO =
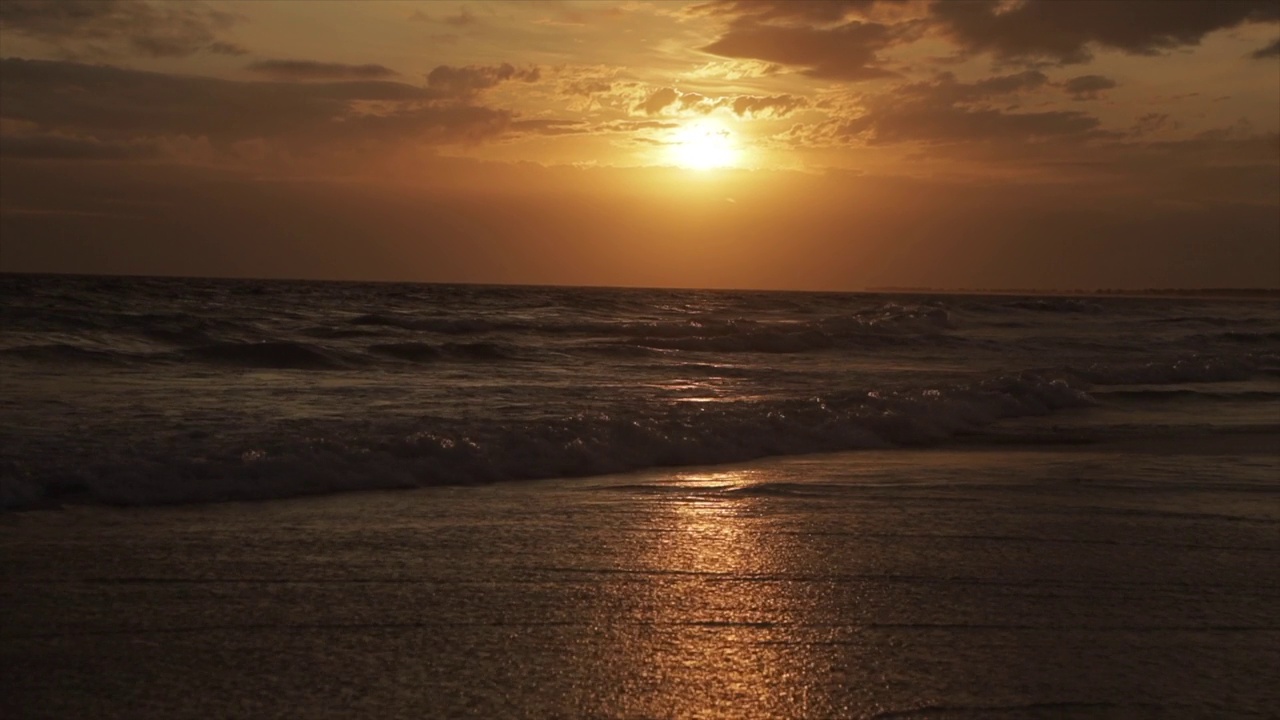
606,503
146,391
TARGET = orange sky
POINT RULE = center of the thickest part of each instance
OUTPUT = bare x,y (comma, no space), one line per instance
772,144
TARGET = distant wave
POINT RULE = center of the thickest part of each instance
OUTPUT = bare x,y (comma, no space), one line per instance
1181,370
427,352
450,326
60,353
1174,394
1056,305
890,325
277,355
1245,337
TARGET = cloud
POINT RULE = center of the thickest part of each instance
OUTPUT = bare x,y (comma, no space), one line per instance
1151,123
948,124
807,11
947,111
1269,51
548,126
846,52
1087,87
945,89
658,100
119,105
735,70
670,101
227,48
1065,32
313,70
467,81
585,87
56,147
633,125
777,106
168,29
462,19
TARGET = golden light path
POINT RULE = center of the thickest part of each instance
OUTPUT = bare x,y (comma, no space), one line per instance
704,145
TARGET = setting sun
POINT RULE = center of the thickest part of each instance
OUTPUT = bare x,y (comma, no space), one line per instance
703,146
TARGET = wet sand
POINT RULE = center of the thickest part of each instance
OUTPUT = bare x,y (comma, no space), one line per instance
1043,582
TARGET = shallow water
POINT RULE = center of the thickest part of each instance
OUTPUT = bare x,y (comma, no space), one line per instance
1134,581
146,391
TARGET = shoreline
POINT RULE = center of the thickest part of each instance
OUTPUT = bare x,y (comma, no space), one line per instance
845,585
1245,440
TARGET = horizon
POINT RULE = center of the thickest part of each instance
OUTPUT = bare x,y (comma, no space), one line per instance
829,146
1196,292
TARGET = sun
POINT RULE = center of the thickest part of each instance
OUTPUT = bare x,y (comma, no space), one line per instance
703,145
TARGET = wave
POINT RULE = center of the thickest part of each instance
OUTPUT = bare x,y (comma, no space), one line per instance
890,325
1181,370
273,355
344,458
429,352
1173,394
178,328
1056,305
61,353
449,326
1244,337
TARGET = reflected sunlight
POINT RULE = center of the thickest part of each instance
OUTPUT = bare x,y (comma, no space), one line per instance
729,635
704,145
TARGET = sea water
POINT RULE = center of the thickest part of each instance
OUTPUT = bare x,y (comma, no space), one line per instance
634,503
141,391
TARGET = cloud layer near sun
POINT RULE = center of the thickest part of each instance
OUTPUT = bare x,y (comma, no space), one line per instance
1163,106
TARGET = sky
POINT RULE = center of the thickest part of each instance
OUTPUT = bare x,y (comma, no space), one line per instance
780,144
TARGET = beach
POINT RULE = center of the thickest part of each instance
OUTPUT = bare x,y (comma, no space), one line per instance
1096,581
616,359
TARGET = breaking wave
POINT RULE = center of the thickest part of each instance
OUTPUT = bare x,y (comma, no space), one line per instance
320,461
141,391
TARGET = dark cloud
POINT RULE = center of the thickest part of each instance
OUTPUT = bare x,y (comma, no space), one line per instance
120,105
462,19
945,111
467,81
542,126
425,123
945,89
1064,32
775,106
1152,122
1087,87
633,125
949,124
55,147
313,70
658,100
845,52
227,48
808,11
668,100
1269,51
162,29
585,87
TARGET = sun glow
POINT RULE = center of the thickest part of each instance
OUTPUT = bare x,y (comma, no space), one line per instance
703,146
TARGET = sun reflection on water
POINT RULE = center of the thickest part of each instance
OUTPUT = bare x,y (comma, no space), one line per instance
716,621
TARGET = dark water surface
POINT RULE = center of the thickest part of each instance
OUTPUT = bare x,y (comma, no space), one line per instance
982,506
147,391
1026,582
